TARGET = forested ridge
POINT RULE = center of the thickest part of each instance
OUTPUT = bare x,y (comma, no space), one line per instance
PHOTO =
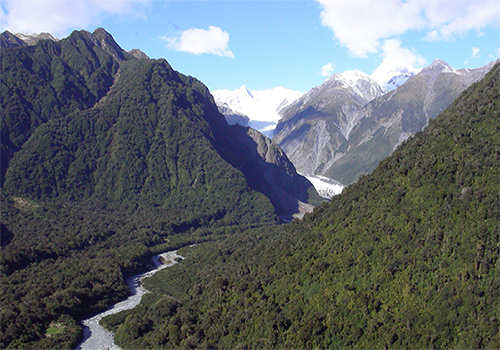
106,161
407,257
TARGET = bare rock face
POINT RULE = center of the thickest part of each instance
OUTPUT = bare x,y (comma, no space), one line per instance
387,121
343,128
138,54
268,170
317,124
232,117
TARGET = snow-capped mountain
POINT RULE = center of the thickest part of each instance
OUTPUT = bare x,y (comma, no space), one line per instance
390,78
33,38
334,132
315,125
260,106
358,82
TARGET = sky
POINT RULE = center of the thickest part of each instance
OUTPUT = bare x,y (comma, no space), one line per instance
263,44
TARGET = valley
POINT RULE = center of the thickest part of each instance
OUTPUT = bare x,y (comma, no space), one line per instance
110,158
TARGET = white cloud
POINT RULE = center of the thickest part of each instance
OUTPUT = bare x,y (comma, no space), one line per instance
475,52
449,18
199,41
396,59
362,25
327,70
359,25
60,17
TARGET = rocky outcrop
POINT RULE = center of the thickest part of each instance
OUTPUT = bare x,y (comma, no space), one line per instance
268,170
232,117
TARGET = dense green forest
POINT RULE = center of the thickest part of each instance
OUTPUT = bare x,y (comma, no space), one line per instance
407,257
106,161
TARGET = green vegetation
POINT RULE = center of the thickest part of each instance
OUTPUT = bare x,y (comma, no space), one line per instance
407,257
106,161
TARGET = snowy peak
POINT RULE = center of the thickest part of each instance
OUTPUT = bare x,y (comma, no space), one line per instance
8,39
352,77
245,90
34,38
356,82
260,106
441,67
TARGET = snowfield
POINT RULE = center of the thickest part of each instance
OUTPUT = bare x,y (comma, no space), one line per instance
261,107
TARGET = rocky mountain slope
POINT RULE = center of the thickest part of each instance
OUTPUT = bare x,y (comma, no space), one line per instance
318,123
388,120
8,39
350,139
106,159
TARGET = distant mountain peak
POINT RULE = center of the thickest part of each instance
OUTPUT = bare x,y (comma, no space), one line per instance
245,90
355,81
398,80
138,54
262,107
34,38
8,39
108,44
440,65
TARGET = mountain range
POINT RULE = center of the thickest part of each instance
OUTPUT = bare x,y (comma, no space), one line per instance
343,128
109,158
99,73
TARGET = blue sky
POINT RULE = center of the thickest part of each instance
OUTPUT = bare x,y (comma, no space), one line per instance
265,44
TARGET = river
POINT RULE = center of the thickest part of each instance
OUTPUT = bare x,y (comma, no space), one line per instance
95,337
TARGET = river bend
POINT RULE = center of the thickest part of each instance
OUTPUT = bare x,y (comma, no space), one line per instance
95,337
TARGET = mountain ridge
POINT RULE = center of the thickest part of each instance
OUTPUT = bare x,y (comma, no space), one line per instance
108,159
320,121
344,151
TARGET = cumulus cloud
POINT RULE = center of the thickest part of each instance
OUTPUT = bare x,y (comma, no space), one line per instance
396,59
60,17
359,25
362,25
327,70
199,41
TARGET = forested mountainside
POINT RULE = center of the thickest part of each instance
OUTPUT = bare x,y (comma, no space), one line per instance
106,160
407,257
344,128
